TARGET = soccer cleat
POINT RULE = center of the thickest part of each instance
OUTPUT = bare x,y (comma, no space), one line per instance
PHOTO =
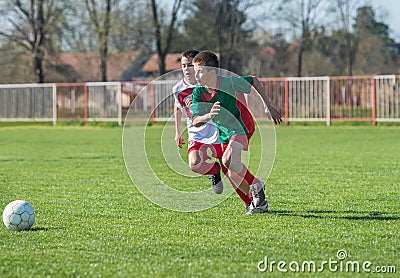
257,192
251,209
217,184
259,203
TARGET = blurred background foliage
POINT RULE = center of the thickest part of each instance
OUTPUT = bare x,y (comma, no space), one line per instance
39,39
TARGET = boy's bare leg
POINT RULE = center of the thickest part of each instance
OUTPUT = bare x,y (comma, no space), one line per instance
198,164
232,157
243,186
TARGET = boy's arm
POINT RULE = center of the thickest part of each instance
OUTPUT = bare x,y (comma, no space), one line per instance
178,135
201,120
270,110
200,115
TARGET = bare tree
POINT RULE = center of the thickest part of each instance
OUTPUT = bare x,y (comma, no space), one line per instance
100,16
302,16
30,25
130,28
162,49
344,10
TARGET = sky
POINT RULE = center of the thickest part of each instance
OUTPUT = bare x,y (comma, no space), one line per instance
386,11
392,16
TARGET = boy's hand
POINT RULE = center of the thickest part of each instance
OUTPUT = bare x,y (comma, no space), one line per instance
273,114
179,140
201,120
214,110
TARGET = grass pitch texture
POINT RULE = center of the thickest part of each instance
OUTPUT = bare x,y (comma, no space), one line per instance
331,189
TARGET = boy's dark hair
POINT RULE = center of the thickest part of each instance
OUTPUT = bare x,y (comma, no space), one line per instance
206,59
189,53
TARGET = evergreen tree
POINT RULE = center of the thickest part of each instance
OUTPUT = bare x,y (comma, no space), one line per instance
375,54
220,25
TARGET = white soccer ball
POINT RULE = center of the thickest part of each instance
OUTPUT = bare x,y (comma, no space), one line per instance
19,215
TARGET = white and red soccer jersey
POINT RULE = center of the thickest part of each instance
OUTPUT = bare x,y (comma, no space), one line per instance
207,133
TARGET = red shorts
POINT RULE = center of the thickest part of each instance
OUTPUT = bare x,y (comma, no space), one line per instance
243,140
216,149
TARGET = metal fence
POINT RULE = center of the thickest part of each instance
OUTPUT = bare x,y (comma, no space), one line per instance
27,102
326,99
357,98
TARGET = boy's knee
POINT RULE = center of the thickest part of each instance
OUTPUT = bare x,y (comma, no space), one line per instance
232,164
227,160
194,163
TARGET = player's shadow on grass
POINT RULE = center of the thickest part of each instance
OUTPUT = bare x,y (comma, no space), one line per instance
332,214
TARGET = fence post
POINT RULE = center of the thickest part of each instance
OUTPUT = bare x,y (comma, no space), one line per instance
373,101
328,101
153,103
286,101
54,104
119,101
86,108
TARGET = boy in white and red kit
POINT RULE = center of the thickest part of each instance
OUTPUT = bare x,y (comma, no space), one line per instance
200,139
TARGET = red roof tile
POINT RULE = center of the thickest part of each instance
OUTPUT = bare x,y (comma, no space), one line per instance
172,62
87,65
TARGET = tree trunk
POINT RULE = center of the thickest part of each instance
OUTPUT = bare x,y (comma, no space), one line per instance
37,47
38,67
300,59
162,51
103,63
104,41
350,62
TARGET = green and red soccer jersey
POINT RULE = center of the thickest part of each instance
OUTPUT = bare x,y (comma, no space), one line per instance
230,120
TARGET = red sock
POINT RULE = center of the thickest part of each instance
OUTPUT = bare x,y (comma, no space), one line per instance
248,177
206,168
245,197
214,169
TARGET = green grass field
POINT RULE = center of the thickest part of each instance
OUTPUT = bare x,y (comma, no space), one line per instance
331,188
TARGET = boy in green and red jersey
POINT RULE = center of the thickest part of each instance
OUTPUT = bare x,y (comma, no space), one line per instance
216,99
